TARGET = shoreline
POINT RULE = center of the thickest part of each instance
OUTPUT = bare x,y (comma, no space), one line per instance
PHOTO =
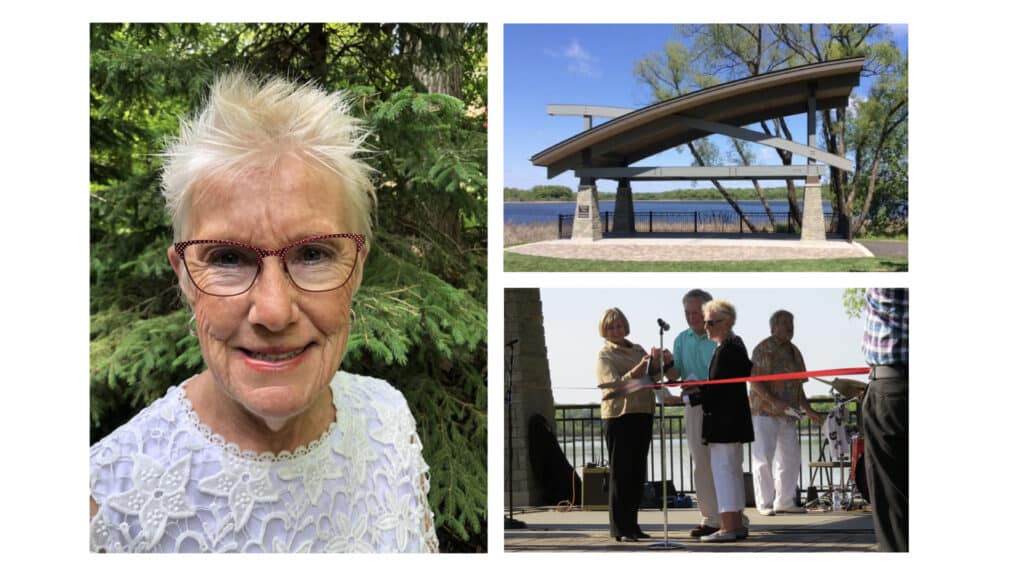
719,199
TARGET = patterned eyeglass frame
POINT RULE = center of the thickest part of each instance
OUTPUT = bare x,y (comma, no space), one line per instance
262,253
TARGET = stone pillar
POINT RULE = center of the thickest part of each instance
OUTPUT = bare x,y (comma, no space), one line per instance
529,382
586,225
624,221
813,228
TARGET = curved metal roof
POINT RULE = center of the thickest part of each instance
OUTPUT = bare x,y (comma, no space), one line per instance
648,131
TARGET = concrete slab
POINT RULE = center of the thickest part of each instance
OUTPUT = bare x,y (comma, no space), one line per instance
587,531
693,249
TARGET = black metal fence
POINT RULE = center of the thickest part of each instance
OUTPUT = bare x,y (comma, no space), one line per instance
713,222
578,428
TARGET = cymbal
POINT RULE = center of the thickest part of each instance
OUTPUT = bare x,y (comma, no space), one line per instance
847,387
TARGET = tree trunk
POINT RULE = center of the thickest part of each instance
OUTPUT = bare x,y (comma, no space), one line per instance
757,186
446,79
835,144
787,160
316,46
721,189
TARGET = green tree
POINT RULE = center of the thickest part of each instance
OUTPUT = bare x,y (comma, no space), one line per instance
853,302
670,75
421,319
552,192
875,135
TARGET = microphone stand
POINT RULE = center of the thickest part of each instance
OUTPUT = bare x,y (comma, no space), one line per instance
510,522
665,544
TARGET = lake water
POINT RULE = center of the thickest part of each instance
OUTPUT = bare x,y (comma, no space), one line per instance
539,212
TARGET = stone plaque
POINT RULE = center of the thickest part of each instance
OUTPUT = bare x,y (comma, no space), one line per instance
583,212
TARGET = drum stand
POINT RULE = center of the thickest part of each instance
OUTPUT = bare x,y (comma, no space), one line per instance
665,544
833,498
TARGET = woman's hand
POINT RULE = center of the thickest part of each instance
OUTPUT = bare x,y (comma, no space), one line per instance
640,369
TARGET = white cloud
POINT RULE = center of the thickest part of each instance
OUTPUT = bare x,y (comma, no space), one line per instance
579,61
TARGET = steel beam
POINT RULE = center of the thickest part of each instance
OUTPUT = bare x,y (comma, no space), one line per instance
704,172
768,140
586,110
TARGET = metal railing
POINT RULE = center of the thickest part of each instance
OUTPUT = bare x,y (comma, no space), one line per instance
578,429
708,222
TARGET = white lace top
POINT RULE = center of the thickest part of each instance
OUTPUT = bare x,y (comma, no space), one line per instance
165,483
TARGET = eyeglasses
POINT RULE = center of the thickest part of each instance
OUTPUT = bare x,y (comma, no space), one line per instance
229,268
711,323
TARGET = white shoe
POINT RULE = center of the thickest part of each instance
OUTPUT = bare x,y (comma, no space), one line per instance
766,511
719,537
791,510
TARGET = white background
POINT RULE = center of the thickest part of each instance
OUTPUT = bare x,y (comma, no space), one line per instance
964,146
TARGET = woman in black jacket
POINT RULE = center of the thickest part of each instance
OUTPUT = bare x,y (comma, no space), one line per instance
727,423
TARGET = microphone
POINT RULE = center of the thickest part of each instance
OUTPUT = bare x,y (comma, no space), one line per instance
663,325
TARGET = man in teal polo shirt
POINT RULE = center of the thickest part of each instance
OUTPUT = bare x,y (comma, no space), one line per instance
692,352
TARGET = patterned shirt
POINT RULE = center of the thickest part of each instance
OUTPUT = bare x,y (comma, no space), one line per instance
887,327
164,482
773,356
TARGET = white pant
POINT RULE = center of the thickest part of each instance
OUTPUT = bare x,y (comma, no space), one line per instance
727,469
775,441
703,482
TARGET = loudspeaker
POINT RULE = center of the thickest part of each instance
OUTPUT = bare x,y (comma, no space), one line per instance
595,489
652,494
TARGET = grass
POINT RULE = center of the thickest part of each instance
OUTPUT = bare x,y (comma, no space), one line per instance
524,263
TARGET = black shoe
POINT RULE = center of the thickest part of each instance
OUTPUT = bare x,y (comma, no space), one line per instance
702,531
629,538
642,534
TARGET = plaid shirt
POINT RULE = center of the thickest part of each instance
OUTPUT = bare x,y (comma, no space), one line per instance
887,327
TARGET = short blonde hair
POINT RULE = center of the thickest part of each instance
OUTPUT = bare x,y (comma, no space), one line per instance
722,307
251,123
611,315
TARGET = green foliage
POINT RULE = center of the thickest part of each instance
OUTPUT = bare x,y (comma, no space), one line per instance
539,193
853,301
715,53
421,317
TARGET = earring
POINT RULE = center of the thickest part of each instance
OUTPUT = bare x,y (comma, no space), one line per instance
192,325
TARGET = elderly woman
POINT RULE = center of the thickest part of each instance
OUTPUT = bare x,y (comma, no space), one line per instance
626,419
270,448
727,424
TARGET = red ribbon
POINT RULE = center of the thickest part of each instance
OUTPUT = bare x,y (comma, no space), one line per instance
764,378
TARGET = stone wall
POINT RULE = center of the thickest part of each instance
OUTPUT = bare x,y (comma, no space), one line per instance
530,390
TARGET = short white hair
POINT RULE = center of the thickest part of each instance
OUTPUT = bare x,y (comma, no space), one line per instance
250,123
722,307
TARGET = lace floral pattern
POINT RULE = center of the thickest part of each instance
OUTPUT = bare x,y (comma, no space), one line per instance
165,483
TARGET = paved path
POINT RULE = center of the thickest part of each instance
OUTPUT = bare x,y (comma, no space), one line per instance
692,249
884,249
587,531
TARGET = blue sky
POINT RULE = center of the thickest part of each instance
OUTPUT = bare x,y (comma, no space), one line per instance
586,64
824,334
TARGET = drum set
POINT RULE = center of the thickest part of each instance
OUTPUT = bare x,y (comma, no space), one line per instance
842,447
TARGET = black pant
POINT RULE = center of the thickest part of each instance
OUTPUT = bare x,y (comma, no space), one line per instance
886,453
628,438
